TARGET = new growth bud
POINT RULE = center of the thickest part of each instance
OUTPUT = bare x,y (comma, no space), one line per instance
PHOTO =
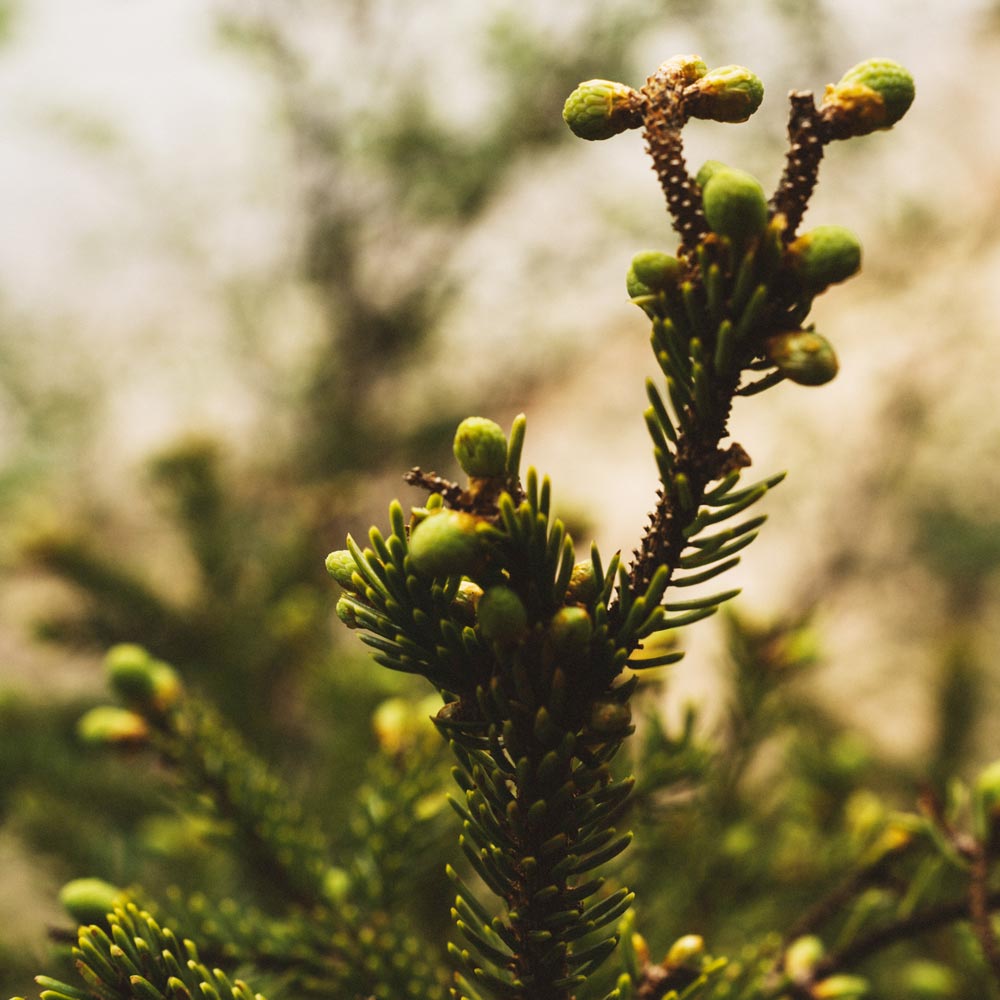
655,270
726,94
802,356
873,95
824,256
609,717
502,617
481,447
582,587
342,567
599,109
735,204
89,900
570,630
108,725
447,543
141,680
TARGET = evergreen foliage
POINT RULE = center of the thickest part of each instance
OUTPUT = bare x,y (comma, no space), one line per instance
537,659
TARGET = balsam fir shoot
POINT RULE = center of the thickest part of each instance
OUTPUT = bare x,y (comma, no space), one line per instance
535,653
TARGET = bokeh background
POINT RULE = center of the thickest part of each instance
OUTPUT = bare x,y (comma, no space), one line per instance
259,258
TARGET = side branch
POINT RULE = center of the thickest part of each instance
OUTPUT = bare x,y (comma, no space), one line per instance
807,135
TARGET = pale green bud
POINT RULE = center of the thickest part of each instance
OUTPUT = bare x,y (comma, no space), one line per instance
735,204
481,447
502,617
656,270
684,69
708,168
570,630
802,956
110,725
447,543
927,980
345,612
824,256
726,94
802,356
599,109
873,95
89,900
467,600
342,567
635,288
142,680
841,988
684,949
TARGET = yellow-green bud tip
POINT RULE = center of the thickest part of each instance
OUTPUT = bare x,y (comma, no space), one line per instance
481,447
570,629
141,680
599,109
873,95
684,949
726,94
582,583
735,204
89,900
824,256
447,543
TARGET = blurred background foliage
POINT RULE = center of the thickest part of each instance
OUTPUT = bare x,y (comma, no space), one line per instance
228,323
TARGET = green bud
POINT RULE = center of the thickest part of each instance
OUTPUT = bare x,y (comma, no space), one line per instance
802,956
582,587
342,567
570,630
735,204
726,94
447,543
141,680
635,288
599,109
873,95
684,949
708,168
609,717
824,256
481,447
802,356
502,617
840,988
927,980
655,270
110,725
89,900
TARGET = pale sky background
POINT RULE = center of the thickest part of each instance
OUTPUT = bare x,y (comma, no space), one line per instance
144,168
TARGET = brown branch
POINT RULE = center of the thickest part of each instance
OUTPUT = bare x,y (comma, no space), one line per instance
807,135
979,910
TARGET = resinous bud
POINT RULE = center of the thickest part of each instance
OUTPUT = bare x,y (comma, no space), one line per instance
726,94
502,617
824,256
656,270
342,567
873,95
447,543
89,900
684,69
735,204
481,447
108,725
802,356
599,109
467,600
